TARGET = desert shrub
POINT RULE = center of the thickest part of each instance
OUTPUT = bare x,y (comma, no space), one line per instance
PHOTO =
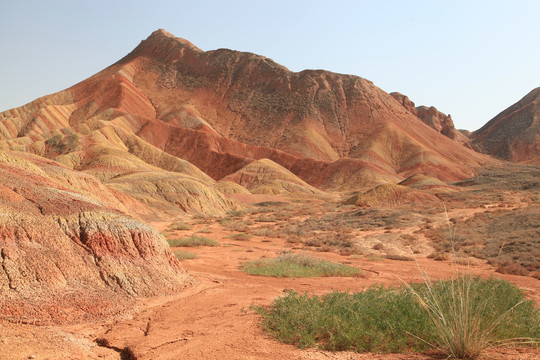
363,321
267,218
511,268
237,213
460,316
240,236
184,255
193,241
270,203
297,265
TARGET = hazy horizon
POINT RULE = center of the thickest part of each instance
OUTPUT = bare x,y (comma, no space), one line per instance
468,59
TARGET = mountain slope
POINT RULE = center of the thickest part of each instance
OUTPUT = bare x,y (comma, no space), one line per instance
312,114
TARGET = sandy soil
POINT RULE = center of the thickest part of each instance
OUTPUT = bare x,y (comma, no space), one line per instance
213,320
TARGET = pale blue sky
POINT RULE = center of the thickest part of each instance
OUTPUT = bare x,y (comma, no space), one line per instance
471,59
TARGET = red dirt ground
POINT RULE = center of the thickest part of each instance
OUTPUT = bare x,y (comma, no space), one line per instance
213,320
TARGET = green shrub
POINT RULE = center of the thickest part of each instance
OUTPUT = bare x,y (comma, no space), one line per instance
461,317
375,320
298,265
193,241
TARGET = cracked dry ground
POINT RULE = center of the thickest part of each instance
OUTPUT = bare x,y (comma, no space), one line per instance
213,320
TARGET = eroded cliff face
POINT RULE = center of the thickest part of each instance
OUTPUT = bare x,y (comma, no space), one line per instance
67,254
514,134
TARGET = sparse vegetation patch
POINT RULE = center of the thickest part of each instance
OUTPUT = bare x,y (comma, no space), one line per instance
507,239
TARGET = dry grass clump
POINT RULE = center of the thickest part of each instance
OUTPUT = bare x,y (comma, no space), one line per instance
192,241
511,268
184,255
271,233
398,257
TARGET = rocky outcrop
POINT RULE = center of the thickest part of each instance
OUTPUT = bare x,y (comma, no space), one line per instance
404,101
442,123
435,119
251,100
514,134
67,254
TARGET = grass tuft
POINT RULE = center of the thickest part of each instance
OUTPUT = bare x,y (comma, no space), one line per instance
193,240
471,314
298,265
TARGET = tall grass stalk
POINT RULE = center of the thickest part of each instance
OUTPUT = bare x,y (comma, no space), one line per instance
467,319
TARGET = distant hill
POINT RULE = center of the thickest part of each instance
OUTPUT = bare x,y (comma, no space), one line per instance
514,134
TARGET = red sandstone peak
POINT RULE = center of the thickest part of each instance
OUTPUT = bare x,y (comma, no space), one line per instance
514,134
161,35
222,109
